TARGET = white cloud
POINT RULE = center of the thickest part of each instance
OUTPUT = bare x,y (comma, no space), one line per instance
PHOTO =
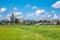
39,11
19,17
8,15
34,7
55,16
0,16
49,15
29,15
39,14
53,11
3,9
14,8
17,13
56,5
28,5
35,16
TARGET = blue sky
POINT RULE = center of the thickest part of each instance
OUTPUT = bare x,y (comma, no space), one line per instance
30,9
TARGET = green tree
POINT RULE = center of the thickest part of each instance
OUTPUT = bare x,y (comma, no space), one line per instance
16,20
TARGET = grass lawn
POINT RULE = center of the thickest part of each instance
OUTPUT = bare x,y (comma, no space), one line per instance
30,32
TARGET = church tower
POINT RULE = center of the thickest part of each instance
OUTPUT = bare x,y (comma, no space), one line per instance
12,18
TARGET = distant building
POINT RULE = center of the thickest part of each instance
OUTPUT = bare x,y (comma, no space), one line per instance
20,20
55,22
12,18
28,22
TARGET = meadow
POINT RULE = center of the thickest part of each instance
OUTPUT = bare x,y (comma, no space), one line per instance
29,32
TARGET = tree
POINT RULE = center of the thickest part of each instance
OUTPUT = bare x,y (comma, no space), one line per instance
16,20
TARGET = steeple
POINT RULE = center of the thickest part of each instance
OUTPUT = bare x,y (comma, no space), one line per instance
12,17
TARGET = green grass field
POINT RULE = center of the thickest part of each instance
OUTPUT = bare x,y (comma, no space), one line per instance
30,32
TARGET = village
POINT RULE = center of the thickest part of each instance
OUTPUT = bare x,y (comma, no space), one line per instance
13,20
29,19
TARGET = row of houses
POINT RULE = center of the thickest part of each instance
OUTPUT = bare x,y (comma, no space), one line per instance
32,22
29,22
40,22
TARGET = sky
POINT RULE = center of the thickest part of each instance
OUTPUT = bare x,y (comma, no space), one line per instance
30,9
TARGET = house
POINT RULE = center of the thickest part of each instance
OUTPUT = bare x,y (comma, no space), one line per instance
28,22
47,22
54,22
38,22
6,21
20,21
32,22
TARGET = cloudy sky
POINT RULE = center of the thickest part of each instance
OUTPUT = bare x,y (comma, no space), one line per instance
30,9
